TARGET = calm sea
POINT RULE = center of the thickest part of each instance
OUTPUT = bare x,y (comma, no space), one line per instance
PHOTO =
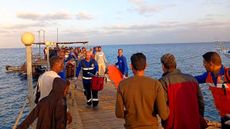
13,88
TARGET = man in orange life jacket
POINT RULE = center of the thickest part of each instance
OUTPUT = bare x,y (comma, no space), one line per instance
217,75
184,97
89,66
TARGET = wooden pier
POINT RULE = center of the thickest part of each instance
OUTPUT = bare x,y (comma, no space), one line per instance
102,117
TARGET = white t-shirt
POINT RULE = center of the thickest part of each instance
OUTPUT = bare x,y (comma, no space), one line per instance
100,58
45,83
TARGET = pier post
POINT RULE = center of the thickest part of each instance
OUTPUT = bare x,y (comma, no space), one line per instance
48,54
27,39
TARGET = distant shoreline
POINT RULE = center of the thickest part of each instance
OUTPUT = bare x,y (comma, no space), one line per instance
125,44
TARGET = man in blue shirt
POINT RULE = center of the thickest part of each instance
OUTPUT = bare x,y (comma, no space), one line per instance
89,66
122,63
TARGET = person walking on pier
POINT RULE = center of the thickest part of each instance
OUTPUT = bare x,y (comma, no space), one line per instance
101,60
89,67
122,63
140,98
184,97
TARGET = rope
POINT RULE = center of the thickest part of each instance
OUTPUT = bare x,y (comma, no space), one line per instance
20,115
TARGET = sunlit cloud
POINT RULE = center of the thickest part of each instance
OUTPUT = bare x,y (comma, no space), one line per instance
169,25
143,7
45,17
83,16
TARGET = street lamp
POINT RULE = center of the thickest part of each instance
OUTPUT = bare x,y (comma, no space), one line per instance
27,39
39,35
48,44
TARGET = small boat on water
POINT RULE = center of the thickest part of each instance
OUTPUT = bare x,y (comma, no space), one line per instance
10,69
223,50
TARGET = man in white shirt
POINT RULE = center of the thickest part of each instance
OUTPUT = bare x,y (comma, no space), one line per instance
45,81
101,60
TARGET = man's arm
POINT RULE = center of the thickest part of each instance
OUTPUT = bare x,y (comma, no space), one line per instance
96,66
29,119
200,101
161,105
125,66
78,69
165,87
117,61
119,109
201,78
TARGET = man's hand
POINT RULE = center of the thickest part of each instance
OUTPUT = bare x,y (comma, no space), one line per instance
124,77
69,118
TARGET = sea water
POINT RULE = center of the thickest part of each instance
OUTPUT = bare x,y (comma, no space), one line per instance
13,87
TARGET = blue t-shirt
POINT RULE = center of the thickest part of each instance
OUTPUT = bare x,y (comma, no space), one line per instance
122,64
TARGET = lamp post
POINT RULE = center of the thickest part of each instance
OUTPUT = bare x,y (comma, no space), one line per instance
48,54
27,39
39,38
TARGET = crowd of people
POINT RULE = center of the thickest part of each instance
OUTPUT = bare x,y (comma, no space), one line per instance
176,97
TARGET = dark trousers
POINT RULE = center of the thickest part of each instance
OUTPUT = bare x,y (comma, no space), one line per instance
224,119
91,95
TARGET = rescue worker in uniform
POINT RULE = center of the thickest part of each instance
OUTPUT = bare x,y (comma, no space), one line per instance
217,77
89,67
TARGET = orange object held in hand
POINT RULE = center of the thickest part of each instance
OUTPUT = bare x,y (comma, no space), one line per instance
115,75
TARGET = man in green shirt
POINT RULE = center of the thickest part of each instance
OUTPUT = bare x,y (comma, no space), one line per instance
140,98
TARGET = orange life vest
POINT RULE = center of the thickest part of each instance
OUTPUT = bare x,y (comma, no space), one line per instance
221,92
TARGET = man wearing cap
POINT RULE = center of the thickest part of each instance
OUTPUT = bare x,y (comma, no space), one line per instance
184,97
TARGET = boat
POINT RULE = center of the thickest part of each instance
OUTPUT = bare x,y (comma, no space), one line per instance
222,49
10,68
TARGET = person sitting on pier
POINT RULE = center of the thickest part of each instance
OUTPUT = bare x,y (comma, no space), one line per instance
140,98
51,111
89,66
184,97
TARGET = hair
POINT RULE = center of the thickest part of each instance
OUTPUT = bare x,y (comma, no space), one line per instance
54,60
120,49
213,57
169,61
138,61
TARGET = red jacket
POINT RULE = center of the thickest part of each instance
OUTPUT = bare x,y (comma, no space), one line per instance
184,100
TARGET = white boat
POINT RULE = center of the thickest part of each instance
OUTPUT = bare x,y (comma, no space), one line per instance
223,50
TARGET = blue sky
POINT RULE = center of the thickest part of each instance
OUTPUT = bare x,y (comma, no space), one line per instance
116,21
